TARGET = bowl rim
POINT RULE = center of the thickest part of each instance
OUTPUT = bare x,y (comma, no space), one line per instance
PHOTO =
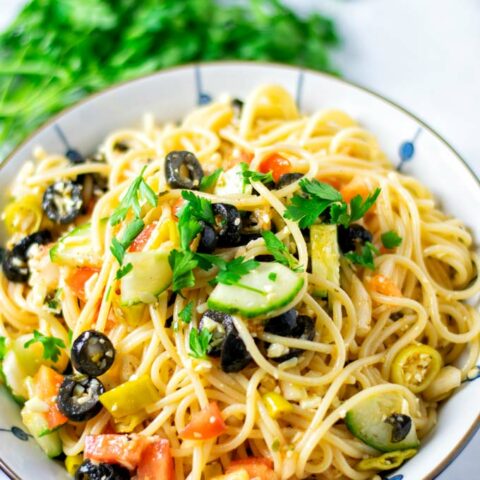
475,426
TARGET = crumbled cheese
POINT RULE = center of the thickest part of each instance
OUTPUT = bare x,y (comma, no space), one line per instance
276,350
37,405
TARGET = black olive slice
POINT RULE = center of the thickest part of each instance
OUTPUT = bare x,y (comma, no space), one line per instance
215,322
208,239
228,224
234,356
287,179
89,470
289,324
15,262
237,106
92,353
401,426
183,170
78,396
351,236
62,201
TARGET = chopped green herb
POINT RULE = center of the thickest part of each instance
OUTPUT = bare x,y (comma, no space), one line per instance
119,247
358,207
122,271
279,251
253,176
51,345
138,189
391,239
70,336
53,302
3,348
209,181
272,276
182,264
186,313
118,250
365,257
276,445
199,207
198,342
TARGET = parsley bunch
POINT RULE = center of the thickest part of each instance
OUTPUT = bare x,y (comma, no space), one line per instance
51,345
321,198
280,252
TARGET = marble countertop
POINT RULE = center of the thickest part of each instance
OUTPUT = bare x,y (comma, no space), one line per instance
423,54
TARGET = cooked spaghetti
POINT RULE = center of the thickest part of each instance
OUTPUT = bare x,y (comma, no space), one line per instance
281,303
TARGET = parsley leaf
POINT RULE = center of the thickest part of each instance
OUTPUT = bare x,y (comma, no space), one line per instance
253,176
279,251
186,313
358,207
272,276
137,189
188,229
320,190
121,272
182,264
391,239
365,257
119,247
51,345
234,270
199,207
209,181
3,348
70,337
198,342
305,210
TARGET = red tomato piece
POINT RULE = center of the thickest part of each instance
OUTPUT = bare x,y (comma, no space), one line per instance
206,424
46,384
156,462
125,450
76,281
139,243
276,164
258,468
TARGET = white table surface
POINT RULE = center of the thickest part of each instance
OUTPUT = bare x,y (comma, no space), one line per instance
423,54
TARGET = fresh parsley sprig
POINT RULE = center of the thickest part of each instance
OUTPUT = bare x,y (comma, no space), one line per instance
138,189
209,181
122,271
198,341
119,247
186,313
254,176
182,264
280,252
365,257
51,345
391,239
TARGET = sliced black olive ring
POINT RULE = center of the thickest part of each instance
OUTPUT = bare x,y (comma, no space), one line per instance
228,224
101,471
289,324
183,170
225,343
62,201
15,261
92,353
351,236
288,179
208,239
78,396
401,426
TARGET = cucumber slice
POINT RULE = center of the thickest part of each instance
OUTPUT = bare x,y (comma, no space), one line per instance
263,290
149,277
38,426
13,374
231,182
325,255
367,422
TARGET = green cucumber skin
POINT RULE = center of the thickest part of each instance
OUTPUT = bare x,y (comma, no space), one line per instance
132,303
365,438
215,305
48,440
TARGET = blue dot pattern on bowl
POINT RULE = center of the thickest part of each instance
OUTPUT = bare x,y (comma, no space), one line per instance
17,432
406,150
202,97
473,374
395,477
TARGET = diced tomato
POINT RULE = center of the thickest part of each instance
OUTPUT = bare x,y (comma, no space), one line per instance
276,164
206,424
46,384
384,285
258,468
156,462
139,243
76,281
246,157
354,188
126,450
177,206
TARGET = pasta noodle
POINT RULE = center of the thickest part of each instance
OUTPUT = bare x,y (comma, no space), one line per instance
360,329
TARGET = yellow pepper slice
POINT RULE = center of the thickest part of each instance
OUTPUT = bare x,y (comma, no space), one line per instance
127,424
276,404
416,366
72,462
387,461
130,397
23,215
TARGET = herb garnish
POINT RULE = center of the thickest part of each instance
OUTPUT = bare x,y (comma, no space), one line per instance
186,313
280,252
365,257
122,271
391,239
253,176
182,264
209,181
319,197
3,348
51,345
119,247
198,342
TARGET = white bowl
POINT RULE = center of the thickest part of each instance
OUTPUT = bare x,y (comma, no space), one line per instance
172,94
